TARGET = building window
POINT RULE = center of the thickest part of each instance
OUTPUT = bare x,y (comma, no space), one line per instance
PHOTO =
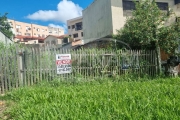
69,27
28,28
75,35
27,34
38,29
82,34
128,6
18,26
73,26
178,19
65,40
53,42
17,29
162,6
79,26
47,43
18,33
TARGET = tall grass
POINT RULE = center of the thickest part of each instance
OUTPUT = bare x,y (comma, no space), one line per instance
97,100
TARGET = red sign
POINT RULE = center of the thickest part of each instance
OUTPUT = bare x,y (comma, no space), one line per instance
61,62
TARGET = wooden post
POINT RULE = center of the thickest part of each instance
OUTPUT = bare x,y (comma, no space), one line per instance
158,58
20,67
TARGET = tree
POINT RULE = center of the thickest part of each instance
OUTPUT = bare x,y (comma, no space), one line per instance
147,28
5,26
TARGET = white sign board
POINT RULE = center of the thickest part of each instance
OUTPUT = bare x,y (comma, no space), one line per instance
63,63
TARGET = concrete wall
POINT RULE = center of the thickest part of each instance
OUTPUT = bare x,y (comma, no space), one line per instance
4,39
118,20
97,20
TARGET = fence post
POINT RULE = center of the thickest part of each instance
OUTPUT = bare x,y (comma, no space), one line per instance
20,67
158,53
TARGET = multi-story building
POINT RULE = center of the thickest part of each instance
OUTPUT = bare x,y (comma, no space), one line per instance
104,17
26,31
75,27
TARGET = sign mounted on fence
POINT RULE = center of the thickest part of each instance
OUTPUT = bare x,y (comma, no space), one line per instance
63,63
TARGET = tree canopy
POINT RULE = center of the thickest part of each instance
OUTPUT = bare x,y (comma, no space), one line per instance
5,26
147,28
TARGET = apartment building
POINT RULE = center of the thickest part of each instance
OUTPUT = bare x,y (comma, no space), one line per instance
26,31
75,27
103,17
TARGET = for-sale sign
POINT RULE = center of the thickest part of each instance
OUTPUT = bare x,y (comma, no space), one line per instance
63,63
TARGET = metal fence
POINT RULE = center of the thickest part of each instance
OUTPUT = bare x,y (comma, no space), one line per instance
27,66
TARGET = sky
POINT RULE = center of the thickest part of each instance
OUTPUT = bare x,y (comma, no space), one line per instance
54,13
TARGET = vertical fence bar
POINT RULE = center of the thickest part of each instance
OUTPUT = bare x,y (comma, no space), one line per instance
7,69
154,62
37,66
20,66
28,66
32,64
1,71
44,63
40,64
54,63
80,62
25,65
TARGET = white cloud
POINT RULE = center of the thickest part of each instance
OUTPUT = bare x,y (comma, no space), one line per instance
65,10
64,26
55,26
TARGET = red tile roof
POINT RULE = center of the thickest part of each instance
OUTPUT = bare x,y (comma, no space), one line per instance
29,37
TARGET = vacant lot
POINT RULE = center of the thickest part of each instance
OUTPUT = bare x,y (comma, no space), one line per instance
96,100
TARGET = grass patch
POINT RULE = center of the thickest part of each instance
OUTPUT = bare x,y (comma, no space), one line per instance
97,100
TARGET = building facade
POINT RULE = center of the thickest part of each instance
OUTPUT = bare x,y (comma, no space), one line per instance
56,41
104,17
75,28
25,31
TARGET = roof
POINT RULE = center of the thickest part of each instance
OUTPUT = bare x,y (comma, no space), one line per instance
30,37
77,18
60,37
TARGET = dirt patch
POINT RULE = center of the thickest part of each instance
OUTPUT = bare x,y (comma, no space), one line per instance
2,109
